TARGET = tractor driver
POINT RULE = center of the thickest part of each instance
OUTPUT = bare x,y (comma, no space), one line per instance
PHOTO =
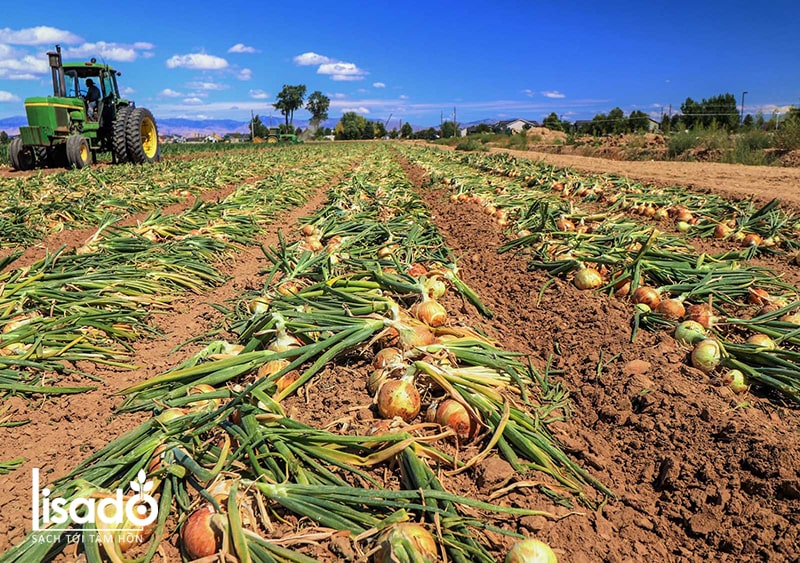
92,97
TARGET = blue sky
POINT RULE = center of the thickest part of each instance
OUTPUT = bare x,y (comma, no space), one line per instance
415,61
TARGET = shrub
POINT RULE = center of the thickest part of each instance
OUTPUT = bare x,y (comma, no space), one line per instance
471,145
788,135
679,143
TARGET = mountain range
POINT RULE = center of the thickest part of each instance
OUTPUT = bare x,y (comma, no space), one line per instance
201,127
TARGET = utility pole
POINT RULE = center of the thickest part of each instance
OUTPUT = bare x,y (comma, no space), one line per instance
252,124
741,118
454,122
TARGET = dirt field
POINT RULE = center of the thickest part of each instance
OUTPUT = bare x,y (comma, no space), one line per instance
700,474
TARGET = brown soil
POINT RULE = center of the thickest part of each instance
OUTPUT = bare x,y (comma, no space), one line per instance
699,473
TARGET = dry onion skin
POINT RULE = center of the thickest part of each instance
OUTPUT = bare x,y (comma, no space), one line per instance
587,278
707,355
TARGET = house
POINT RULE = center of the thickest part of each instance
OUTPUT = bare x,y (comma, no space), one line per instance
515,125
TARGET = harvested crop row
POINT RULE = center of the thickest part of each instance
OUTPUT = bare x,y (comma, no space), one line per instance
368,273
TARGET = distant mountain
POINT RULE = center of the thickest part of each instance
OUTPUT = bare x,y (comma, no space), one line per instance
11,125
202,127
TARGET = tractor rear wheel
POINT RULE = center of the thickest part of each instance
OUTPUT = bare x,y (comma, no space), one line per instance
78,153
119,141
272,139
21,157
142,137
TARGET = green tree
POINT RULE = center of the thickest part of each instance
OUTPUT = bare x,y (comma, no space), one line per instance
290,99
3,137
258,128
552,122
368,132
351,126
406,131
449,129
317,105
380,130
616,119
691,113
638,121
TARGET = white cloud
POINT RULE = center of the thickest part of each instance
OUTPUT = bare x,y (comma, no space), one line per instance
39,35
206,86
339,95
127,91
26,65
259,94
553,94
403,97
528,92
197,61
360,109
311,58
379,85
8,97
169,93
109,51
192,101
342,71
244,74
242,48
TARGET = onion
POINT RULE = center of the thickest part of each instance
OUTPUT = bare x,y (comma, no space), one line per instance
660,213
454,415
793,318
722,230
702,314
671,308
283,342
706,355
751,239
203,404
388,250
287,379
403,535
689,332
272,367
200,534
307,230
531,551
564,224
416,270
762,341
758,296
168,415
430,312
434,287
259,305
386,357
736,381
647,295
622,287
682,226
587,278
399,397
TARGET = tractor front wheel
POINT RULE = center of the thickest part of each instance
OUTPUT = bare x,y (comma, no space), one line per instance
21,157
78,153
142,137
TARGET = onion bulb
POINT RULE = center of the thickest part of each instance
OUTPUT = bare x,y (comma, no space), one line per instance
587,278
701,313
793,318
751,239
689,332
416,270
564,224
430,312
721,231
736,381
682,226
758,296
452,414
762,341
434,287
259,305
706,355
386,357
647,295
400,537
671,309
531,551
200,534
399,397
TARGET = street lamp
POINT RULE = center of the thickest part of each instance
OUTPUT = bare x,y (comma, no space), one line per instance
741,120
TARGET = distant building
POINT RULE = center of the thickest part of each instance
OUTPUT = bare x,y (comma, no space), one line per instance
516,125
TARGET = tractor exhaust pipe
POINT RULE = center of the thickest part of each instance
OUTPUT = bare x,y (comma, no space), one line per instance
59,83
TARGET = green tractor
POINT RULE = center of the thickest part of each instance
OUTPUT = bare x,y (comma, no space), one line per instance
84,116
275,136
